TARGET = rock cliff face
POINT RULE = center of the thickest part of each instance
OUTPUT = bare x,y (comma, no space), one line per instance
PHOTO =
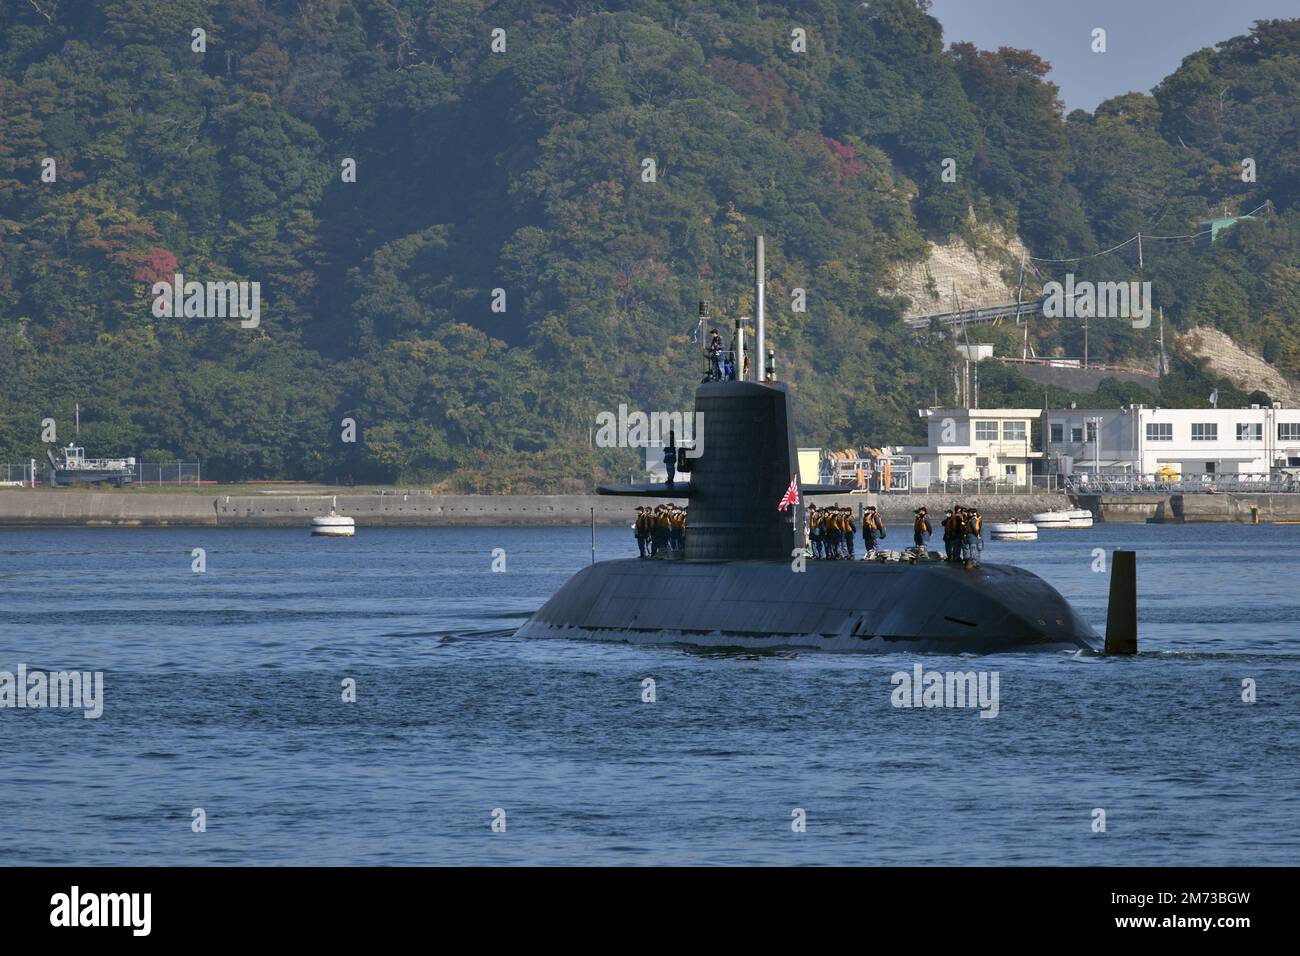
1243,368
977,271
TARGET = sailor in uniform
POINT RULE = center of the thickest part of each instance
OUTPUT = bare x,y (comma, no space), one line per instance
920,528
872,528
639,527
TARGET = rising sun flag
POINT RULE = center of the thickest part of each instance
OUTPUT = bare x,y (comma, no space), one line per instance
791,496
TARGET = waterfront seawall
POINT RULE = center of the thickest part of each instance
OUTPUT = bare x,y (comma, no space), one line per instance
1224,508
143,509
136,508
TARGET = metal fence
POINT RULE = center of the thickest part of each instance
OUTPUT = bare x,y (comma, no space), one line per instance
900,485
146,473
863,475
167,472
20,473
1184,484
1033,485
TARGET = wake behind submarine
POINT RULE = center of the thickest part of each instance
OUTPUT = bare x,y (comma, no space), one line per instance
739,583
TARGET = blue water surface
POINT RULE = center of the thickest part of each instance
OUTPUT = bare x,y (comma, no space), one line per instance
223,691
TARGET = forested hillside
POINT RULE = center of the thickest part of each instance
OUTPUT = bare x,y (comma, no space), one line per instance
516,161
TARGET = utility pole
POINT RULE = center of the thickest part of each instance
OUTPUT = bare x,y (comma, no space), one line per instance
1096,445
1163,367
760,340
1020,287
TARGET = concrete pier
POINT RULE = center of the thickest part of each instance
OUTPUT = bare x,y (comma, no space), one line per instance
1128,509
1228,508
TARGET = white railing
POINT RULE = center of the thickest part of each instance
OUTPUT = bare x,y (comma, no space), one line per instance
900,484
1032,485
1163,483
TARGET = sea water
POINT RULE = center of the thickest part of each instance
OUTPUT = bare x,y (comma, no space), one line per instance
227,735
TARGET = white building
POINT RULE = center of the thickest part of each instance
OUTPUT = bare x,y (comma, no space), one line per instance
1137,439
965,444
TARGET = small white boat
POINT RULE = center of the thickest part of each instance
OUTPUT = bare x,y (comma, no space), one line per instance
1051,519
1012,530
333,525
1080,518
1062,518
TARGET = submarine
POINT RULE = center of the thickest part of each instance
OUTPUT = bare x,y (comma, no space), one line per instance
742,582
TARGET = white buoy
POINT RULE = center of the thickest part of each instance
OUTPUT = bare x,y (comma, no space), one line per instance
1012,531
333,525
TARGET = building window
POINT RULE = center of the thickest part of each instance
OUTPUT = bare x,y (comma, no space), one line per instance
1013,431
1160,431
1012,472
1092,431
1288,431
1209,467
986,431
1076,434
1205,431
1250,431
1058,432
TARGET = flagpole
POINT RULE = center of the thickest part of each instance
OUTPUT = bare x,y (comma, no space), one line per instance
795,501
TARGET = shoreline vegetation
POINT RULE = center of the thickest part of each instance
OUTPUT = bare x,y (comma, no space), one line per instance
462,256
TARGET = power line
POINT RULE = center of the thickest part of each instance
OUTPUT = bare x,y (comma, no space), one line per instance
1093,256
1141,235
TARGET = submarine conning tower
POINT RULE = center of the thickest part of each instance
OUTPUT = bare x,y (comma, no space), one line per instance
744,457
746,462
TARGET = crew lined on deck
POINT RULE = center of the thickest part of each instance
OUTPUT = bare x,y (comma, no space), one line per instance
963,534
831,532
660,531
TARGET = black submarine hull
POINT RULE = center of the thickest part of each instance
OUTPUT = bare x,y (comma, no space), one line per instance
736,585
843,606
